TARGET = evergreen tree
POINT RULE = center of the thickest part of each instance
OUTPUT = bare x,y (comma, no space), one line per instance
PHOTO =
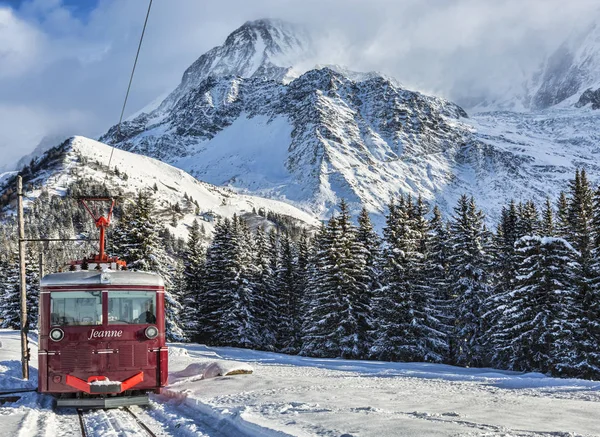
528,221
393,300
469,263
371,245
266,298
580,216
353,280
10,291
227,299
563,229
536,327
337,320
547,225
586,360
193,269
503,275
408,327
438,275
320,306
10,310
289,295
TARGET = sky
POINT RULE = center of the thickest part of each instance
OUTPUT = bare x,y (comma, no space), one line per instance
65,64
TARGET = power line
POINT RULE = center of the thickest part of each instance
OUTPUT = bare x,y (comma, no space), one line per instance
129,86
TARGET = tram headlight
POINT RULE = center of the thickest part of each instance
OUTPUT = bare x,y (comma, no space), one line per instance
57,334
151,332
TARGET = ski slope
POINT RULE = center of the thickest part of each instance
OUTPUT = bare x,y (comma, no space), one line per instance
298,396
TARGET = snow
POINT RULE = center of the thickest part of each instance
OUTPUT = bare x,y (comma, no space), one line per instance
300,396
5,176
172,183
104,382
248,153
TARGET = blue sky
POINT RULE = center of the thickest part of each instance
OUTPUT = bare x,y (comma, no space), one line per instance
65,63
79,8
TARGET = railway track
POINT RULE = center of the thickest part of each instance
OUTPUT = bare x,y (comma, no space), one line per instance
112,419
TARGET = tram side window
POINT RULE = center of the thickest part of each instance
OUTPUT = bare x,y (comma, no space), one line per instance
131,307
69,308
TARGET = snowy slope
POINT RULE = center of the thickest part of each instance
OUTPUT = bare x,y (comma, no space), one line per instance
143,173
298,396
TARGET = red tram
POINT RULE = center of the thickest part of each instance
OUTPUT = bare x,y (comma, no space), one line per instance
102,334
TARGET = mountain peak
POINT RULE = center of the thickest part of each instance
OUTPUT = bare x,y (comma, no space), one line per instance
266,48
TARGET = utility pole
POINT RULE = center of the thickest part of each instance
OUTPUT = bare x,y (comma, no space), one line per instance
23,283
42,262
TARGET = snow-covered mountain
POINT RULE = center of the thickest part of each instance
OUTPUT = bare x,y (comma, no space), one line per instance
332,133
572,69
267,48
81,158
568,76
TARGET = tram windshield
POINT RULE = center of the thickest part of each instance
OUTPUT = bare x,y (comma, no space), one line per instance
76,308
131,307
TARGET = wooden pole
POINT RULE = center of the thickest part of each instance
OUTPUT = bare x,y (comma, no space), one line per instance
42,266
23,283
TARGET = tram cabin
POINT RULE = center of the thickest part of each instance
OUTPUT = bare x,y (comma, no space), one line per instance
102,337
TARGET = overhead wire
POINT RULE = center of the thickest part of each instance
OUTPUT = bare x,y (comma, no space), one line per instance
129,86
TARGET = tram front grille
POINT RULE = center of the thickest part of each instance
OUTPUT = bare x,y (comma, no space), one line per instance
75,358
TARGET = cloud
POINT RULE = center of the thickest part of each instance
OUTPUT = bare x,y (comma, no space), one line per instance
19,44
63,71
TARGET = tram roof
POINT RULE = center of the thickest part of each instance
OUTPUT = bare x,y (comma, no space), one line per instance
105,277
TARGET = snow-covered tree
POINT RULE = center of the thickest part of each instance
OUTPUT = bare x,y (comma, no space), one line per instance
226,302
193,269
337,317
266,297
469,265
537,326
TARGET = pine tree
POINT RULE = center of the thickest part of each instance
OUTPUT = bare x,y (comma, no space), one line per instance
562,217
528,220
225,314
10,292
288,331
469,263
580,216
10,310
536,328
193,261
266,303
371,245
317,305
438,275
393,299
337,319
408,327
431,340
586,362
548,226
503,275
353,282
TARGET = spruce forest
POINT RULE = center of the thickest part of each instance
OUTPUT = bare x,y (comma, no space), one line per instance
524,296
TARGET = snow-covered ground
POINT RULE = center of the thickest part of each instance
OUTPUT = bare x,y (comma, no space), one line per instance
298,396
